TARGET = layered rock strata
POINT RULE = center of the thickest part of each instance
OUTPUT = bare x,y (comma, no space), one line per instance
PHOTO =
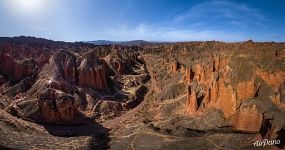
56,106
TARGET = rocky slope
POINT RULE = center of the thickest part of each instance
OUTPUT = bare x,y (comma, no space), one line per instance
195,95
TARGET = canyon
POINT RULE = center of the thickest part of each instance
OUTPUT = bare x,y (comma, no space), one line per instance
183,95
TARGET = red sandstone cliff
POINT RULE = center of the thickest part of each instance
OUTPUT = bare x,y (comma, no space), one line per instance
17,69
56,106
66,66
93,74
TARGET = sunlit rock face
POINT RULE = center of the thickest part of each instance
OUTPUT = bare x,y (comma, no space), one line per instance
227,95
117,63
212,89
120,61
235,83
66,66
25,68
273,79
174,66
248,119
56,106
15,68
93,73
176,94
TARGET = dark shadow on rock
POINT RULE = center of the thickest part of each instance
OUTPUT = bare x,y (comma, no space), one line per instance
5,148
281,137
99,134
140,94
265,127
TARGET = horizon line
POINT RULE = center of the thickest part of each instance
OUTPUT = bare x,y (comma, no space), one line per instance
150,41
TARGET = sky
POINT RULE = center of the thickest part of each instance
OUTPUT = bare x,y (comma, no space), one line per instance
151,20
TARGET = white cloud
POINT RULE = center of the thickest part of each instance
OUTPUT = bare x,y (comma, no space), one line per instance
224,11
154,33
196,24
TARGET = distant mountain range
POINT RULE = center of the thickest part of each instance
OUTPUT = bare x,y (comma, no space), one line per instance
31,39
125,43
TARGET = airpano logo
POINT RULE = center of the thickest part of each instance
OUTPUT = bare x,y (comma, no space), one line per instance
266,142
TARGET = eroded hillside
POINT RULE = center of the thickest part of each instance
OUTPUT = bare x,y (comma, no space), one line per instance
195,95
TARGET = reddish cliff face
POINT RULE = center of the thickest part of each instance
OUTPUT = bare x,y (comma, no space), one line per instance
120,67
189,75
116,63
56,106
212,90
247,90
93,73
62,86
174,66
52,73
66,66
7,64
192,100
274,79
248,119
218,91
209,87
25,68
231,82
120,61
17,69
227,101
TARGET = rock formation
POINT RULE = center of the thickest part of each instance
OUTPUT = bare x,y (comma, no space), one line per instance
248,119
272,79
56,106
174,66
192,100
115,60
189,74
120,67
213,91
17,69
61,85
246,90
120,61
7,64
66,66
93,73
24,69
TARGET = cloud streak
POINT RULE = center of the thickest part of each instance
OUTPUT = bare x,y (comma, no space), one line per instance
223,11
201,22
155,33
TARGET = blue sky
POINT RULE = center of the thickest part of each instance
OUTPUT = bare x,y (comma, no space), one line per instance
152,20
